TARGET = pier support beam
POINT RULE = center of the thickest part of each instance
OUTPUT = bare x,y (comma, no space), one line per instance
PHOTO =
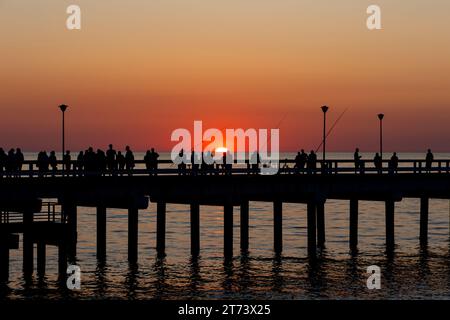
390,239
28,256
195,229
62,260
424,205
353,224
70,210
311,225
101,233
320,224
41,252
228,231
133,220
278,226
4,262
244,226
161,229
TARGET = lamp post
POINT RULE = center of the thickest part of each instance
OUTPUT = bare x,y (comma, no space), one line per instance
324,109
381,116
63,108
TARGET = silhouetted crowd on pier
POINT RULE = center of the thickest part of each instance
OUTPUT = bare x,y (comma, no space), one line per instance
112,162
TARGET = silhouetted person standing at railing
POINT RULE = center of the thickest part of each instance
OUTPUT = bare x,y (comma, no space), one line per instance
357,160
147,161
11,163
101,162
90,162
43,163
312,162
67,159
393,163
19,161
181,163
378,163
194,163
80,163
298,161
154,162
429,161
53,162
111,155
129,160
255,161
3,161
121,162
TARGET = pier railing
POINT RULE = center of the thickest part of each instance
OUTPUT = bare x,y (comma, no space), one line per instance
48,213
286,166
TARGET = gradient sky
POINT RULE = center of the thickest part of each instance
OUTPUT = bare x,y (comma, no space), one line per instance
139,69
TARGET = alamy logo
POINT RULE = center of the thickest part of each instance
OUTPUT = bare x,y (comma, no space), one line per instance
261,146
374,280
74,279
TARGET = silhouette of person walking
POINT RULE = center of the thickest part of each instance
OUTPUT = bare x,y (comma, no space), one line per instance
80,163
393,163
357,160
3,161
121,162
312,162
129,160
43,163
53,162
67,161
111,159
429,161
378,163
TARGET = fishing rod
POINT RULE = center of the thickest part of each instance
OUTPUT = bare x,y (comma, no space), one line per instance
332,127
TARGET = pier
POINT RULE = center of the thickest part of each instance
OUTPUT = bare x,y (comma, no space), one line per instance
54,222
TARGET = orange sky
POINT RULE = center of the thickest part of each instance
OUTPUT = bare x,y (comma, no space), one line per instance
139,69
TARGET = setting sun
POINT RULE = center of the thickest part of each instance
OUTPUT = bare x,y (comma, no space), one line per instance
221,150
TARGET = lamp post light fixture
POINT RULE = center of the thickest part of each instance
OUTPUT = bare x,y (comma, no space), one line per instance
63,108
324,109
381,116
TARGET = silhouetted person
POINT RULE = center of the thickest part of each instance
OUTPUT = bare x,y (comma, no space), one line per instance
101,162
181,163
357,160
43,163
194,163
67,162
255,161
228,162
393,163
19,161
129,160
90,162
11,163
378,163
121,162
80,162
312,162
429,160
111,155
53,162
298,160
3,161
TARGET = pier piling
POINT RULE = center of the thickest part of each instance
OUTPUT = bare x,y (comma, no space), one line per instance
278,226
195,229
133,222
28,256
41,252
161,228
390,239
353,224
424,204
101,232
320,224
228,231
244,226
311,226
